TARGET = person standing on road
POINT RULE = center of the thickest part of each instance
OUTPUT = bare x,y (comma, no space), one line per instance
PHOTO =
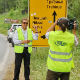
60,60
23,47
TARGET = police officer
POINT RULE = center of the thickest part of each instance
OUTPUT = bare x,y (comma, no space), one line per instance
23,47
60,60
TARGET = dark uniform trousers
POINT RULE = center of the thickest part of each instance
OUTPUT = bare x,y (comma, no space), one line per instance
18,60
51,75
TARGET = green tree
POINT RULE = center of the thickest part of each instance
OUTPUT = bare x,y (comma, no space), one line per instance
7,5
73,9
22,4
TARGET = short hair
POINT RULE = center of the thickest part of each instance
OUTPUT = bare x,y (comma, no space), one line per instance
25,19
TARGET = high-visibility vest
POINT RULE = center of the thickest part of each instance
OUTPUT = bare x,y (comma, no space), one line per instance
60,55
19,48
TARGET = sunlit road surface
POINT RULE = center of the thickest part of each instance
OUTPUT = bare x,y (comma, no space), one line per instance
3,47
4,52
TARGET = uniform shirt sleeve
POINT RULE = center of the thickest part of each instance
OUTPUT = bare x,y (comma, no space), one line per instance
76,41
15,38
35,36
47,35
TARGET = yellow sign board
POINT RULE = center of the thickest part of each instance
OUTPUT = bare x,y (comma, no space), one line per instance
43,14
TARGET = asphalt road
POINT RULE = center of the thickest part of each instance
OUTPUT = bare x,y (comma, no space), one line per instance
4,52
3,47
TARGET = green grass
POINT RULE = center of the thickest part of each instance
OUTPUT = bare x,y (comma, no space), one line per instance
39,68
75,73
39,55
10,15
38,64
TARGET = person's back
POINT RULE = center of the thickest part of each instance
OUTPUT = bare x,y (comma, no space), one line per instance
61,40
60,60
60,55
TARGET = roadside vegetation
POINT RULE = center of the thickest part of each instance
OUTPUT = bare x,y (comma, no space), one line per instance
39,55
16,9
38,65
15,15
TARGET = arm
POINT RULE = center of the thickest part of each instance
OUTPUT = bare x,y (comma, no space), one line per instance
35,35
17,41
25,41
52,27
76,41
15,38
47,35
74,30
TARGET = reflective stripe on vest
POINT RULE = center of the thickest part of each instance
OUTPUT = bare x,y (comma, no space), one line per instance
60,56
59,53
23,45
62,60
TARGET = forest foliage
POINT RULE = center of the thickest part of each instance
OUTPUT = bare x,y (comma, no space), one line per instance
74,9
9,5
18,9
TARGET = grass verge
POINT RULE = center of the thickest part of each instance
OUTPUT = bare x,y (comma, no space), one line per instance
38,66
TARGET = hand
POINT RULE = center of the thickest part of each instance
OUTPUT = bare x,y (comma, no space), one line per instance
35,27
75,25
74,29
52,28
25,41
56,22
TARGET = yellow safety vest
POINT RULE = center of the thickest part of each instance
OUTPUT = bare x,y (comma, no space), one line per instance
19,48
60,55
